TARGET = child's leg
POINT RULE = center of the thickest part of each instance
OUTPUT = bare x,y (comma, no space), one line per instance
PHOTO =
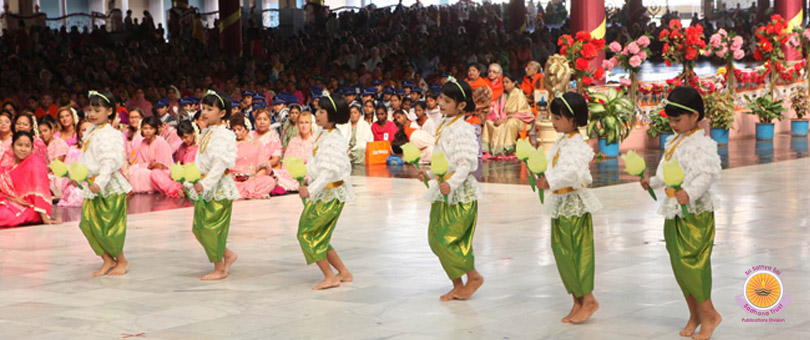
109,263
709,320
694,321
451,295
329,278
121,266
574,309
230,258
589,306
217,274
343,274
474,281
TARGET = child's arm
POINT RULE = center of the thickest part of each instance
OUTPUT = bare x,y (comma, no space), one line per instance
214,175
706,163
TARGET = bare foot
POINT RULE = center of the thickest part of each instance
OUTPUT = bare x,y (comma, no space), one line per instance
691,326
709,323
215,275
120,268
574,310
452,294
327,283
108,264
230,258
473,283
345,276
588,308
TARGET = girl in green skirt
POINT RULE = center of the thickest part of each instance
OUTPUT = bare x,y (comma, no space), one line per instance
104,210
455,195
571,204
214,194
327,192
690,238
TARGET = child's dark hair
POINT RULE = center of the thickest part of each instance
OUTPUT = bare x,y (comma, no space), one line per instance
103,98
421,104
197,115
336,109
19,134
399,112
577,104
219,100
185,128
685,96
48,121
460,92
151,121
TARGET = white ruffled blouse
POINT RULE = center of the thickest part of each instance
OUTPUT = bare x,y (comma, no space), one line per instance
216,154
698,158
330,163
460,146
571,170
103,155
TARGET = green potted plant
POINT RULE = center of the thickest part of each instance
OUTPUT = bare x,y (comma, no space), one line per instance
610,120
659,127
720,110
766,109
798,126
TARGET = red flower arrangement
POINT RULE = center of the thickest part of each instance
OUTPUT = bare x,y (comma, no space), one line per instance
770,39
580,51
682,46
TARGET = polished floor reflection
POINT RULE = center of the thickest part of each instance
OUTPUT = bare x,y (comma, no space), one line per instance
48,292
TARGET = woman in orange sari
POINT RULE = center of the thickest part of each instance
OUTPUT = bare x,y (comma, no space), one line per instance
25,197
474,76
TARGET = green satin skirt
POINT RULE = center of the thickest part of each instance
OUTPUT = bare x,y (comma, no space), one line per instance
104,223
572,244
212,220
450,235
318,221
689,243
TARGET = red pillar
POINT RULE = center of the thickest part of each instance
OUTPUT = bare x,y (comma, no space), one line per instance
792,11
230,26
589,16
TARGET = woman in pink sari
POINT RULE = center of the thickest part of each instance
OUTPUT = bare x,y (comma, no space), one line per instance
6,132
270,141
161,180
68,117
252,168
26,122
503,125
57,150
169,134
133,140
300,146
154,154
71,195
24,194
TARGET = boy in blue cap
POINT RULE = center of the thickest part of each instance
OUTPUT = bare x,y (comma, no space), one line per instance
162,111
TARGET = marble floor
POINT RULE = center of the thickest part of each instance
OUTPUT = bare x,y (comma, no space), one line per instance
47,291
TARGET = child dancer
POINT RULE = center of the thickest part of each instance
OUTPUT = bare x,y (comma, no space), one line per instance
690,240
571,204
327,193
104,211
452,225
216,191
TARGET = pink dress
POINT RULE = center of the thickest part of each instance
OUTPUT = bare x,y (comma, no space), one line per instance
250,158
132,146
139,174
40,149
163,182
70,141
71,196
385,133
297,148
56,149
27,181
169,134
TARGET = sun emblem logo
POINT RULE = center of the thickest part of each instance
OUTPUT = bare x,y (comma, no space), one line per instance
763,290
